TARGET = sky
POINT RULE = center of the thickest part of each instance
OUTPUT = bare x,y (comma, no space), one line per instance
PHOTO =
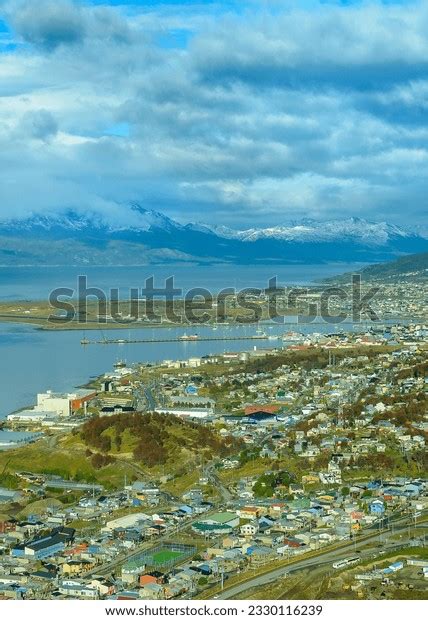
243,113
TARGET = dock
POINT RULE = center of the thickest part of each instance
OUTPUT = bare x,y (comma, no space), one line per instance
179,339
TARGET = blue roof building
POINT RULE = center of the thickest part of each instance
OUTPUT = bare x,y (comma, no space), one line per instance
377,507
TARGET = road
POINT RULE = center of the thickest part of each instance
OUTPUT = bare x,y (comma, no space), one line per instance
217,483
151,403
144,399
326,557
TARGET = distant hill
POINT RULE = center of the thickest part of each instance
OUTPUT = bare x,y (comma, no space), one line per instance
412,268
147,237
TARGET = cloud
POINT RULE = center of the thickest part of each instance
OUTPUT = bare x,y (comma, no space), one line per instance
50,24
39,124
267,114
346,46
300,195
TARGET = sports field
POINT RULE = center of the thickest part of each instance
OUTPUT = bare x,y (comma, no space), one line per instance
164,556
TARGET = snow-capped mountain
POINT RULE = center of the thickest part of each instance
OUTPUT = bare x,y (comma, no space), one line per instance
137,219
136,233
356,229
146,219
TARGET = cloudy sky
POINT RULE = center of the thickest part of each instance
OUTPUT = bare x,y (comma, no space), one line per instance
230,111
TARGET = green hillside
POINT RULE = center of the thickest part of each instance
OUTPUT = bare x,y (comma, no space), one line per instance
413,267
106,449
151,439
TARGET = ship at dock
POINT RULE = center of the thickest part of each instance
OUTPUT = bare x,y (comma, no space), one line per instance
293,337
192,337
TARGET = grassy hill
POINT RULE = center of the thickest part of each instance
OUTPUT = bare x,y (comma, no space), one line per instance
151,439
413,267
107,449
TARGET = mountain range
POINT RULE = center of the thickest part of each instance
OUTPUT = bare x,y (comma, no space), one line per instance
150,237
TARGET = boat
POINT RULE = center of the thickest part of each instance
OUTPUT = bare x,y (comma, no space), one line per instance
120,364
186,337
292,337
85,341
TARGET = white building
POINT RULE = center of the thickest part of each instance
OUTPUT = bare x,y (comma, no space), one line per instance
127,521
191,412
63,404
31,415
249,529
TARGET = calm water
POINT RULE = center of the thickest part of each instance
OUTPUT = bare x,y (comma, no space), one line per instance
35,283
32,361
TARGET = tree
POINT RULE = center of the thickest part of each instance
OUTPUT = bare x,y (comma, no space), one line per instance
100,460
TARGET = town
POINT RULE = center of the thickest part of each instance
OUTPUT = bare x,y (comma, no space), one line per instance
297,471
397,300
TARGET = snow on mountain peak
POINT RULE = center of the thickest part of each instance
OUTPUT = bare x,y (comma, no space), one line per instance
128,217
134,217
147,219
355,229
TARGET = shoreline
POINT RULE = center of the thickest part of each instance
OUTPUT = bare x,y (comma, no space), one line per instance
44,325
89,383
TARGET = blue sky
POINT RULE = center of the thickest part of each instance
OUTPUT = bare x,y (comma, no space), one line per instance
243,113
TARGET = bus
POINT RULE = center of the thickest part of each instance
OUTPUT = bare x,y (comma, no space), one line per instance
346,562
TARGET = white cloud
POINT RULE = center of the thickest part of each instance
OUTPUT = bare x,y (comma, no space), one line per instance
301,195
263,117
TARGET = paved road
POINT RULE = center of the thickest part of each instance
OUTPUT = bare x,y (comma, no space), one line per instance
151,403
217,483
328,557
144,399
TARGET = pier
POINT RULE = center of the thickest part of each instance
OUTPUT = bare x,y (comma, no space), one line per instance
86,341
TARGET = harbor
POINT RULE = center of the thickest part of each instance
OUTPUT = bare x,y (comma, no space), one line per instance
37,355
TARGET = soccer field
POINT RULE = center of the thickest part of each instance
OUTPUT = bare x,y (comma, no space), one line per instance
165,556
